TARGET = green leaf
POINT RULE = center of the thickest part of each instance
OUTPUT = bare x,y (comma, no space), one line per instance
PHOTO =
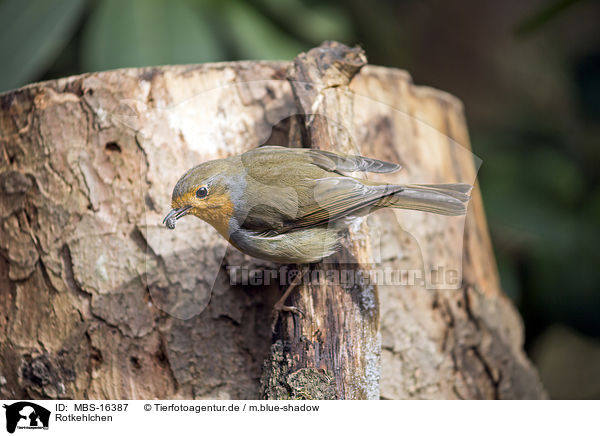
32,34
136,33
317,23
255,37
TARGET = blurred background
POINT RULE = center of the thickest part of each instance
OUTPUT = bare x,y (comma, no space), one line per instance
528,72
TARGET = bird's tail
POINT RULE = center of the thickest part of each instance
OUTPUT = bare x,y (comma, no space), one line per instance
447,199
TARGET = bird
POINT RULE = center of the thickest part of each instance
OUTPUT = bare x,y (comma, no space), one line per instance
290,205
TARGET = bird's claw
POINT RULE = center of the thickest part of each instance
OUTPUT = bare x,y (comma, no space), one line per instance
281,307
278,308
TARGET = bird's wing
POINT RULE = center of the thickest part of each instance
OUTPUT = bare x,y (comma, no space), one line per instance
297,188
330,161
347,163
336,198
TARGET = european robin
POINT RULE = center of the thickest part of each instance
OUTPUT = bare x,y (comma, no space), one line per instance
289,204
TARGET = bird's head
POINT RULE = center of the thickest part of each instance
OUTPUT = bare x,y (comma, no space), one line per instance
204,191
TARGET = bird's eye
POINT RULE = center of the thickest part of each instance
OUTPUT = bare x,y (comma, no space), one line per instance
202,192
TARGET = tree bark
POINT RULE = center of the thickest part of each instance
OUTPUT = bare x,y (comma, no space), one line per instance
328,354
99,300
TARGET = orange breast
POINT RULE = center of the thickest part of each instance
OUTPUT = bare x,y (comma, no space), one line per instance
217,210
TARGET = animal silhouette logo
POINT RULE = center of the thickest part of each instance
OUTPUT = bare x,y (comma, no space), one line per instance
26,415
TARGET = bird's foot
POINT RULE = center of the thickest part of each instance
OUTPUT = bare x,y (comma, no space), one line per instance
281,307
278,308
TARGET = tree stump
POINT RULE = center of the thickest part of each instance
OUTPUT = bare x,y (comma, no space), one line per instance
98,300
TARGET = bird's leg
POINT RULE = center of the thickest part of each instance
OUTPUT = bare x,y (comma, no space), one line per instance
280,306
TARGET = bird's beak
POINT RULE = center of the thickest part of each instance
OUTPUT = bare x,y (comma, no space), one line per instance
174,215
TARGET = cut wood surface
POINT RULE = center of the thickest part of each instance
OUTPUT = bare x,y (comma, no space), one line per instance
99,300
